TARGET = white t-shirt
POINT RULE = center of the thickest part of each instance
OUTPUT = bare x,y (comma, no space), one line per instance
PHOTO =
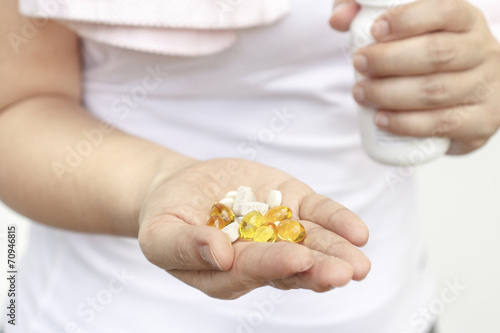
280,96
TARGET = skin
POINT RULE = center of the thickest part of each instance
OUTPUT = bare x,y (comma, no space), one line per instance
441,51
131,187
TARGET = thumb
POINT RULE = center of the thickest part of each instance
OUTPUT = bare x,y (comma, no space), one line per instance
173,244
344,12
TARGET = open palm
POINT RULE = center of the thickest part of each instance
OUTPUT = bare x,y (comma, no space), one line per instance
174,237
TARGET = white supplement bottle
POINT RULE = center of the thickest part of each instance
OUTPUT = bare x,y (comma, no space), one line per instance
382,146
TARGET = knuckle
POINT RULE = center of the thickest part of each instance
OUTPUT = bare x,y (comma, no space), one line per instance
335,245
450,9
441,51
434,91
342,213
486,87
447,122
311,204
315,241
321,204
179,258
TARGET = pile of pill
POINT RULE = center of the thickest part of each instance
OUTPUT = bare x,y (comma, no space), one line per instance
240,215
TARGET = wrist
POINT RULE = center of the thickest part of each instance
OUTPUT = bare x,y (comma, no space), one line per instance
166,166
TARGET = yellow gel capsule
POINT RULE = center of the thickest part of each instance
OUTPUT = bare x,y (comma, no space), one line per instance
266,233
278,213
217,222
250,223
291,231
223,211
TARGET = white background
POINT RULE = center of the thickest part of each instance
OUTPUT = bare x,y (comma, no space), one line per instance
459,201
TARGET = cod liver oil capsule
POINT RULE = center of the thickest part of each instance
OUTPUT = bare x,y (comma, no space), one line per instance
250,223
291,231
278,213
268,232
223,211
217,222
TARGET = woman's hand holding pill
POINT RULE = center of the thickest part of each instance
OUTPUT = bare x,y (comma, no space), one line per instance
173,233
435,71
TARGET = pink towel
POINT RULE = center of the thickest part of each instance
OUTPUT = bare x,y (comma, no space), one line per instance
175,27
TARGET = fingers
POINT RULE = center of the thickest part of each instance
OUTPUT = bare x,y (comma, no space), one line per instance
333,245
437,64
421,92
423,17
270,261
344,12
204,258
172,244
333,216
461,106
464,122
426,54
326,274
255,265
281,265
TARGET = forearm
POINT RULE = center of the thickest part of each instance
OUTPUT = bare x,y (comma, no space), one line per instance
51,171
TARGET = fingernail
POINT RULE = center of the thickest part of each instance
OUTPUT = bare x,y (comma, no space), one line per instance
359,94
380,29
382,120
208,256
360,62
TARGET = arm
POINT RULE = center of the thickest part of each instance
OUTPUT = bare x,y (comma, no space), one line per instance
132,187
40,116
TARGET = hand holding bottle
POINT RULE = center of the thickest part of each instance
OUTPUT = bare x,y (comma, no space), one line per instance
435,71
